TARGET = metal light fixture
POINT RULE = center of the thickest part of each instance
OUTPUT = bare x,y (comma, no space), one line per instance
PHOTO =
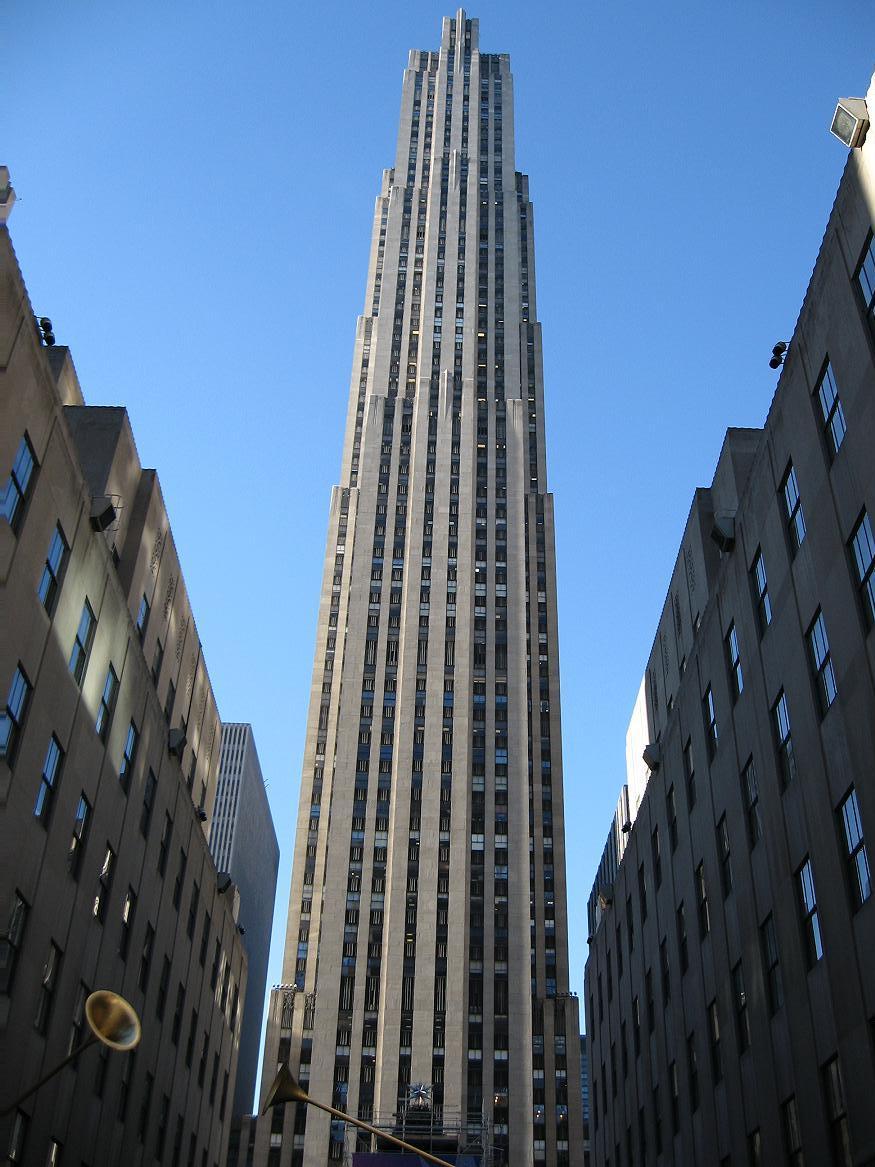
113,1021
850,122
778,354
286,1088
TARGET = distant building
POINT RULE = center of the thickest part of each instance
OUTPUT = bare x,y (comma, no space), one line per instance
243,842
109,749
730,986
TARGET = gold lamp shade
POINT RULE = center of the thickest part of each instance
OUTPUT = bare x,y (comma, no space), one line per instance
113,1020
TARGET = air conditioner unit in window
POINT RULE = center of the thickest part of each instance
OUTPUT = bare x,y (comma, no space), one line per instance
176,742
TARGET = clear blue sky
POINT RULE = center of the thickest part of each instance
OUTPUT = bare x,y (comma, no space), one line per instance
196,184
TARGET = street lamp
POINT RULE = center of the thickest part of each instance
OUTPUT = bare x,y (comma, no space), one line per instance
286,1088
112,1021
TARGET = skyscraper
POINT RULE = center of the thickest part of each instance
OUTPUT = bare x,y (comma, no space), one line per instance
427,938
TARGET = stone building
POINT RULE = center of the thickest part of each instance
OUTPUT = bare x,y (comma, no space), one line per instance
730,986
109,749
427,928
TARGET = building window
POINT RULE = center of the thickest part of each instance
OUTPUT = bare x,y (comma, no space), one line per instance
671,812
791,1132
755,1148
104,885
129,754
146,957
793,509
107,704
82,643
12,719
50,580
656,857
723,851
714,1041
866,277
143,618
750,793
761,591
739,999
170,701
771,965
149,788
48,781
81,825
702,902
10,941
47,988
17,1138
808,913
859,876
157,661
164,846
818,645
863,552
710,716
733,659
683,952
690,773
834,427
836,1111
784,743
19,485
693,1072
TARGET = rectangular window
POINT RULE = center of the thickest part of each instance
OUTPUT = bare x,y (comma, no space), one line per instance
784,743
751,796
771,965
808,913
656,857
170,701
761,591
866,277
146,957
791,1133
149,788
793,509
834,427
157,661
818,646
129,755
10,941
47,988
107,704
50,580
723,851
12,719
82,643
739,1000
180,878
702,902
690,773
693,1072
683,953
143,618
164,846
733,660
79,838
714,1041
710,717
863,553
127,922
836,1112
857,859
642,892
48,781
19,485
104,884
665,973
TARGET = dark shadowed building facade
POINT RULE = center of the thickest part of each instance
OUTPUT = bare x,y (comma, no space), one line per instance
109,748
730,986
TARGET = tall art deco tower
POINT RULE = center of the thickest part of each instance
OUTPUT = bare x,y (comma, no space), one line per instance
427,932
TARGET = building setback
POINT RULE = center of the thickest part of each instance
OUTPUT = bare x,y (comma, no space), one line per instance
243,843
427,928
730,986
109,748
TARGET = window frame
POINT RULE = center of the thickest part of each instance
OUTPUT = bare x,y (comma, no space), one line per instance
820,659
49,779
20,493
760,585
831,410
794,515
850,826
52,577
865,574
809,919
81,649
15,714
783,739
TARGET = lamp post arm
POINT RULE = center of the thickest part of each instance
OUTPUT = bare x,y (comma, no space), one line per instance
366,1126
33,1089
